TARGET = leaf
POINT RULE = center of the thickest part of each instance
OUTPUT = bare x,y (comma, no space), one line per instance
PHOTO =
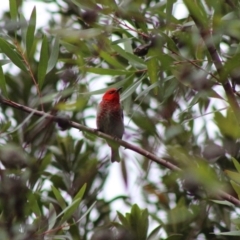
13,9
43,62
197,11
30,32
86,213
80,193
111,72
3,62
152,65
54,55
233,176
52,217
236,188
73,35
236,164
8,49
33,204
110,59
3,87
231,129
223,202
59,197
232,233
68,211
154,234
133,59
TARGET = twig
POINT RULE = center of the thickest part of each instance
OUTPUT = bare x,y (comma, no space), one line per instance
125,144
30,72
206,35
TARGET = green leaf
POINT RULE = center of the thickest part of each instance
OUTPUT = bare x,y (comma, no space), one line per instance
43,62
23,26
73,35
59,197
232,233
8,49
236,164
111,72
33,204
13,9
80,193
233,176
154,234
3,87
133,59
52,217
86,213
226,203
123,219
169,8
236,187
152,65
3,62
54,55
110,59
197,11
231,129
68,211
30,32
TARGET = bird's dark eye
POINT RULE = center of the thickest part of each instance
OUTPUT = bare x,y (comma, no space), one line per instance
111,92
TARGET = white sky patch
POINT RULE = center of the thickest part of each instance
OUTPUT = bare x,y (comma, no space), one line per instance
180,11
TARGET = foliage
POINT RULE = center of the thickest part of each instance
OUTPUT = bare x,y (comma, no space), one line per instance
180,77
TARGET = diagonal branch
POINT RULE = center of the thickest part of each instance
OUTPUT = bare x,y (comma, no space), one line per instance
151,156
205,32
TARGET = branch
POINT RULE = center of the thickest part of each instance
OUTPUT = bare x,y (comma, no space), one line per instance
81,127
206,35
151,156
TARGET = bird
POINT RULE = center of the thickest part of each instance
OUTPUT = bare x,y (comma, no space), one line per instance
110,119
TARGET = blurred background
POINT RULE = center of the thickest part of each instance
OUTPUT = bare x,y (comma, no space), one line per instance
60,57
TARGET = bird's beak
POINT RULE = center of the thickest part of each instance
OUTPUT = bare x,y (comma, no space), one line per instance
119,89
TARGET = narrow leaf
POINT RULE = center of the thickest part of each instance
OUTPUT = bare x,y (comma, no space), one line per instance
68,212
43,62
236,164
30,31
80,193
59,197
111,72
133,59
3,83
13,9
8,49
52,216
86,213
236,187
54,55
233,176
152,65
110,59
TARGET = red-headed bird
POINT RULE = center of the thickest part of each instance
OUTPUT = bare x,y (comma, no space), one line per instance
110,119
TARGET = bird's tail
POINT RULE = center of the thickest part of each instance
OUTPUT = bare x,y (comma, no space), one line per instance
115,157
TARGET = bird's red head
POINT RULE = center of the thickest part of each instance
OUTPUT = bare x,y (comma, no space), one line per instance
112,95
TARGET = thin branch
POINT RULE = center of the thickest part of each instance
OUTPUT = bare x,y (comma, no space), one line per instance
30,71
205,33
81,127
151,156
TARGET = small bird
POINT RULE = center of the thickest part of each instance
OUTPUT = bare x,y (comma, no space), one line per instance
110,119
